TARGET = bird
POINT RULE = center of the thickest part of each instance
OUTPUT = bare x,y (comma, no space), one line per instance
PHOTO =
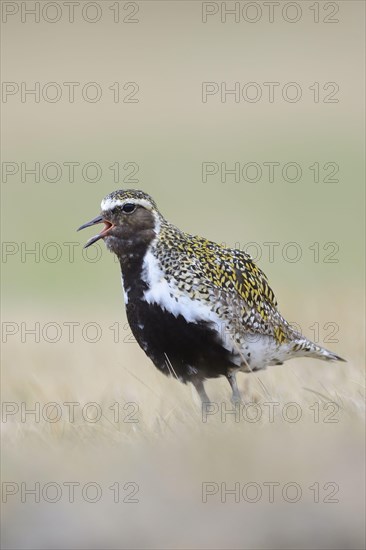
198,310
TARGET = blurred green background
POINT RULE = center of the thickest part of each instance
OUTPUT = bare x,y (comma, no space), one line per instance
169,133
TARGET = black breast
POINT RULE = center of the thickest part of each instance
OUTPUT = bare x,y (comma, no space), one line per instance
194,350
176,347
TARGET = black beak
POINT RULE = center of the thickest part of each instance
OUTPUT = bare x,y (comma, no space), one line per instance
98,219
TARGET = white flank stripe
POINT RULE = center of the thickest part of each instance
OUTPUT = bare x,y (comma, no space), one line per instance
168,297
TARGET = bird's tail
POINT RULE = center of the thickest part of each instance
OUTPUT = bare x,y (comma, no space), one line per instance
306,348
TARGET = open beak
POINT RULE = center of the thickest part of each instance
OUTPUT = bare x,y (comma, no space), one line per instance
107,227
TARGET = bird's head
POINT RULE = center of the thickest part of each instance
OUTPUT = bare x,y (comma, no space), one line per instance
130,218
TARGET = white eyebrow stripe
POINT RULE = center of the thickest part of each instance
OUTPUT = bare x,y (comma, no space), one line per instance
109,203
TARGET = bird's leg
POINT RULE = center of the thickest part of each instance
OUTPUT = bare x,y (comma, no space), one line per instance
198,384
236,397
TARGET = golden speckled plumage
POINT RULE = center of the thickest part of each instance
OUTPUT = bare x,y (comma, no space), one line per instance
207,270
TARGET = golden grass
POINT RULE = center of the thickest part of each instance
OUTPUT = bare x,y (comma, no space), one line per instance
170,451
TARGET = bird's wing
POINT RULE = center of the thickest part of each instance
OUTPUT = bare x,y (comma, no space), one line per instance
242,285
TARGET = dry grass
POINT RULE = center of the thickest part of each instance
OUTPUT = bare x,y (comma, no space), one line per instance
170,451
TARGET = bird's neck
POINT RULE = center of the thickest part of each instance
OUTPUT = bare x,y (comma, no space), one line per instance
131,259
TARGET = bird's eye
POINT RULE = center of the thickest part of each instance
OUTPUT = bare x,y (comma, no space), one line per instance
128,208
